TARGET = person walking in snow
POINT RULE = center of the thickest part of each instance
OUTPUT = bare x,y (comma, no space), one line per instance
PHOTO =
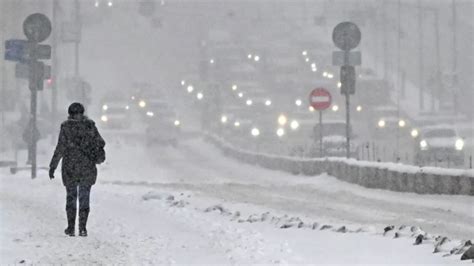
81,147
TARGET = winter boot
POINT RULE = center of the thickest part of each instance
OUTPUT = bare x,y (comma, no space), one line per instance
83,215
71,221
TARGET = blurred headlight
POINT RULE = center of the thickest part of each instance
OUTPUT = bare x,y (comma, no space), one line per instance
255,132
127,107
402,123
423,145
236,124
294,125
199,96
298,102
150,114
381,123
459,144
142,104
234,87
105,107
224,119
335,108
358,108
104,118
280,132
414,133
190,89
268,102
249,102
177,123
282,120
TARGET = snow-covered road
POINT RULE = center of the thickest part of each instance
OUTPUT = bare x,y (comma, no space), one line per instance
149,207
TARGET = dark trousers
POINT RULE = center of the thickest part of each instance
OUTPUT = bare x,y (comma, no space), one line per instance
72,193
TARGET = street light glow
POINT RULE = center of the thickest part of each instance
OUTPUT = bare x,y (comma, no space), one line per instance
110,3
304,53
414,133
211,61
199,95
298,102
311,109
142,104
381,123
96,4
190,88
335,108
256,58
359,108
249,102
241,94
234,87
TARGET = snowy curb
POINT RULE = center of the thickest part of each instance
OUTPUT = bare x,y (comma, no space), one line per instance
390,176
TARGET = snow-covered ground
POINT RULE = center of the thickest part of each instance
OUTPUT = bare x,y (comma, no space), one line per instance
192,206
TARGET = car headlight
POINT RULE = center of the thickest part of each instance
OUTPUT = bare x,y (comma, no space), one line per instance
150,114
294,125
282,120
381,123
142,104
402,123
280,132
224,119
423,145
105,107
255,132
414,133
459,144
177,123
104,118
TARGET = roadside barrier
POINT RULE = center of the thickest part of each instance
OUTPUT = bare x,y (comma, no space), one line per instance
378,175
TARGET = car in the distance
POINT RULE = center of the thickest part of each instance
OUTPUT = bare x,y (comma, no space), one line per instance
439,143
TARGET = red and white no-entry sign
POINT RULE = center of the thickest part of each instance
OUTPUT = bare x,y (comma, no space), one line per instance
320,99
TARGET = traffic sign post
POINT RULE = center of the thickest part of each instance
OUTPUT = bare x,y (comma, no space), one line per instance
37,28
346,36
320,99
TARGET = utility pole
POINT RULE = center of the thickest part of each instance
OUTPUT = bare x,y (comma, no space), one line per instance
455,61
54,72
399,35
420,56
436,89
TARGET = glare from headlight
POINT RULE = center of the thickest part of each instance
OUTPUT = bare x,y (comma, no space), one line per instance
304,53
234,87
142,104
199,95
311,109
358,108
190,88
150,114
256,58
255,132
401,123
294,125
381,123
127,107
459,144
104,118
280,132
335,108
241,94
423,144
325,74
330,75
133,97
177,123
105,107
268,102
236,124
339,84
282,120
249,102
183,82
224,119
298,102
414,133
249,56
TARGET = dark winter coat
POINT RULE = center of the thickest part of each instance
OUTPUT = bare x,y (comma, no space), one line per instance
77,168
